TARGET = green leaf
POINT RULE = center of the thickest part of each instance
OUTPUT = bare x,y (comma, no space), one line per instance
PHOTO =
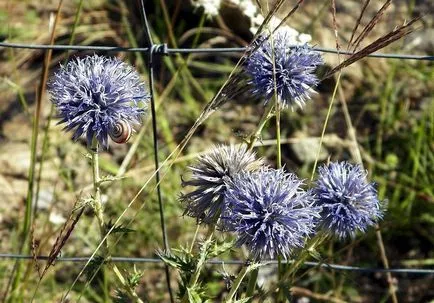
118,229
219,248
193,296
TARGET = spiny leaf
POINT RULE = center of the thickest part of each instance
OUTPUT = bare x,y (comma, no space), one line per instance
314,254
178,259
219,248
94,265
121,297
118,228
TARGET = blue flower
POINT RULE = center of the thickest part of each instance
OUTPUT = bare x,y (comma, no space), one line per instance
349,203
209,177
269,212
294,68
95,95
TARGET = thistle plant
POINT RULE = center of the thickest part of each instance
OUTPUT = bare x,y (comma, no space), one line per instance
276,67
349,202
209,178
98,97
269,212
94,95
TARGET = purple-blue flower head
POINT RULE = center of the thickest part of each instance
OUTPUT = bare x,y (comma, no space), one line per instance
291,76
95,94
269,212
349,202
209,177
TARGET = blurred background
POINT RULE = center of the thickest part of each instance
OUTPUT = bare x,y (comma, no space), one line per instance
390,104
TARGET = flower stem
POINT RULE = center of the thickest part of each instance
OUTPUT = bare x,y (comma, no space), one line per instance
268,113
279,150
97,205
201,262
304,254
237,283
252,283
99,214
194,238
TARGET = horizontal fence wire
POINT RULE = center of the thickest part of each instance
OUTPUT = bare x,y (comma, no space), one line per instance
162,49
410,271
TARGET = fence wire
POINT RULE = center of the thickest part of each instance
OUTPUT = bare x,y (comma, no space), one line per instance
162,49
410,271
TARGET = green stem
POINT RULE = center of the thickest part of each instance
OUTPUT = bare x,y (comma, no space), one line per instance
279,150
194,238
268,113
266,116
99,214
97,192
304,254
325,125
252,284
237,283
98,209
201,262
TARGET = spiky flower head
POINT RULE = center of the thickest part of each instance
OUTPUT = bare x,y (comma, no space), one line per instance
291,75
209,177
349,202
94,94
269,212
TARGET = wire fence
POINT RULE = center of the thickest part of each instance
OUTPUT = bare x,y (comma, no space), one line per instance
163,50
409,271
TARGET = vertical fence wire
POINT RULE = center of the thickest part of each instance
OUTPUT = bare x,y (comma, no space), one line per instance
152,48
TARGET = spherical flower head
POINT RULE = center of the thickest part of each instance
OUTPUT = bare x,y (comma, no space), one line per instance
94,94
209,177
349,202
270,212
291,76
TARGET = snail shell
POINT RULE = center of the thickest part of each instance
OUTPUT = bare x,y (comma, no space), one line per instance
121,132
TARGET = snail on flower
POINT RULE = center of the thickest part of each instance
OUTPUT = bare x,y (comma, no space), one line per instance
120,132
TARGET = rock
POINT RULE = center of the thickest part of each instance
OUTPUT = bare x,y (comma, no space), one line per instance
14,159
13,192
305,149
18,129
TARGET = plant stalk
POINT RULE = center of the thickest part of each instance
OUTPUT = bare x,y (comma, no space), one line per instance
237,283
201,262
99,214
267,115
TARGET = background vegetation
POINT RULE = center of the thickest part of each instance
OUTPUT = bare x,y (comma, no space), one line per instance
390,104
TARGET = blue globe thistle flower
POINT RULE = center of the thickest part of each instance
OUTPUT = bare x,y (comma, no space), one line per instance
98,96
269,212
349,203
293,66
209,177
